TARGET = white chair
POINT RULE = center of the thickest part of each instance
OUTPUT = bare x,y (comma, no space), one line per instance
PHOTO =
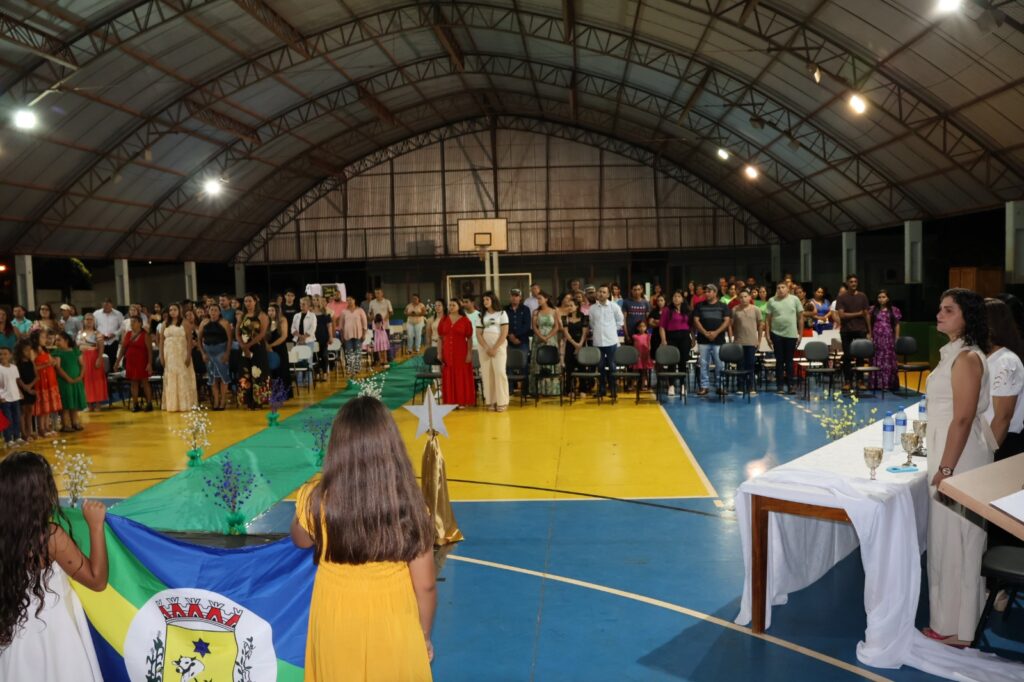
300,360
334,356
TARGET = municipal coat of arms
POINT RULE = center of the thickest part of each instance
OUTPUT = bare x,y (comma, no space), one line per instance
191,635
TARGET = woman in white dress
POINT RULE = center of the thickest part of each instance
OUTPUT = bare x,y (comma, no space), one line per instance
179,382
43,632
959,439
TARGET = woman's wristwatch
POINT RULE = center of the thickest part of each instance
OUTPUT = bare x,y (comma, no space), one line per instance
946,471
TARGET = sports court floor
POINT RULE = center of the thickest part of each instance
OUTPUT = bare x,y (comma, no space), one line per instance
601,543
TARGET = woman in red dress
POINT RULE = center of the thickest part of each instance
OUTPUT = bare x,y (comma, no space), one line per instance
137,355
456,356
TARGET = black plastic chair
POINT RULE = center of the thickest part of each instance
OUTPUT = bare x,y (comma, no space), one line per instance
548,366
667,368
862,349
477,379
430,373
625,358
905,347
818,353
732,354
516,369
1003,569
587,360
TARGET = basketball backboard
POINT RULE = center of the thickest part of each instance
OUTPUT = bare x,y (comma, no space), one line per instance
483,234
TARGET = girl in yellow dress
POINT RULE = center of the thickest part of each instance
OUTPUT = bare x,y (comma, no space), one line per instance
374,596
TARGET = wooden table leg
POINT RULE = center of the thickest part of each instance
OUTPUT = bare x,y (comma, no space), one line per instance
758,561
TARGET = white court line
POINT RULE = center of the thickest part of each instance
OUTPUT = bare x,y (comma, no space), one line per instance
707,618
689,454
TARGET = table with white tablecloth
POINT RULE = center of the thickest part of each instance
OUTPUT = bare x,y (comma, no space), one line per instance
888,519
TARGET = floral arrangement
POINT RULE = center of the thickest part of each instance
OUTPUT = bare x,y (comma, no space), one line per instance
372,386
231,488
75,471
841,418
321,430
278,396
353,362
195,433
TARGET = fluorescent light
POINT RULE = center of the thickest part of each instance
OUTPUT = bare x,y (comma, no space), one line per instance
25,119
722,154
947,6
750,172
212,187
817,75
858,104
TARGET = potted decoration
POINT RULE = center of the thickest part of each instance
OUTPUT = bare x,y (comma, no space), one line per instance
75,472
195,433
278,395
230,488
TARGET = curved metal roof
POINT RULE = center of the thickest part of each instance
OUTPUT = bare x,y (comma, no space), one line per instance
140,102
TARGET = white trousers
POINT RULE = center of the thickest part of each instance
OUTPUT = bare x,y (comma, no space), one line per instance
494,376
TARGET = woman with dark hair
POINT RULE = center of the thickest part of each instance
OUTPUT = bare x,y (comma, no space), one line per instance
175,345
8,335
374,595
323,335
94,372
251,334
137,354
455,353
43,631
45,319
547,328
156,318
492,338
574,328
885,329
69,382
658,304
276,344
214,333
1006,379
1016,309
48,407
674,329
822,319
959,440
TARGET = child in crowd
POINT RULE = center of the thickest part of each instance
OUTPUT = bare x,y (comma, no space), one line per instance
26,359
374,595
43,631
10,398
642,343
381,342
70,383
47,407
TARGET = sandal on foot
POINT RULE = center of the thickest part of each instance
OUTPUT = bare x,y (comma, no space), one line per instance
950,640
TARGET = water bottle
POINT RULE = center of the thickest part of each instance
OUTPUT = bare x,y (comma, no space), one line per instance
901,421
922,408
888,432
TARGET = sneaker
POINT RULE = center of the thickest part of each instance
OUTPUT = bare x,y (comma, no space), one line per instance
753,393
702,392
671,390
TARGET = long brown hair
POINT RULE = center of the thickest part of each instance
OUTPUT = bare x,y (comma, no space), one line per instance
28,503
1002,328
368,501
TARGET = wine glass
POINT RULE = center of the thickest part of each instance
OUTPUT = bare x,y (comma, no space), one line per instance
873,457
920,428
910,442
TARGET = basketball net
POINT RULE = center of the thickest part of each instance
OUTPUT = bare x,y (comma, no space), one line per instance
482,253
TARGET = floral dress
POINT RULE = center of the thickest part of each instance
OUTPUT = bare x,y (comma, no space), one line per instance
254,381
883,335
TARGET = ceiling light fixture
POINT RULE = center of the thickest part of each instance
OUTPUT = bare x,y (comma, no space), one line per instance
750,172
757,122
723,154
815,72
25,119
947,6
213,186
858,104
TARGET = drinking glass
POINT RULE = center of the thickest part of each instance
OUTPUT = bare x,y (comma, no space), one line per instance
873,458
910,442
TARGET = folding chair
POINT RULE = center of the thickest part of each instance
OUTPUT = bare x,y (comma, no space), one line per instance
516,369
430,373
587,359
862,349
667,362
547,367
732,354
905,347
300,362
626,357
817,354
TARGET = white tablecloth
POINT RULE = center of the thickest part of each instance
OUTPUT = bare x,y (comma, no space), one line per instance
889,522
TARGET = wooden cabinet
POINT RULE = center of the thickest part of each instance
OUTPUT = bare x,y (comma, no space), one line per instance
985,281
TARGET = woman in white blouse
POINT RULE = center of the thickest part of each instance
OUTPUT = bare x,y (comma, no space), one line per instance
492,335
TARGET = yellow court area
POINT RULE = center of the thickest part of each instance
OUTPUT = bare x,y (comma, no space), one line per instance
617,451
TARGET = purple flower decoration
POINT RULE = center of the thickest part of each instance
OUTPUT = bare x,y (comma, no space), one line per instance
278,394
233,487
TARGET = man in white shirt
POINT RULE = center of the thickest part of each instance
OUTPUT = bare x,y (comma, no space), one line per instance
380,306
109,321
531,302
605,322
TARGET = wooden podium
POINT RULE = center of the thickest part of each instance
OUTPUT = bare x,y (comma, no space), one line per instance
977,488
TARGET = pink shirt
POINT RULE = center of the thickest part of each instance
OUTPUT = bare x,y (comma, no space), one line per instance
671,321
353,323
336,308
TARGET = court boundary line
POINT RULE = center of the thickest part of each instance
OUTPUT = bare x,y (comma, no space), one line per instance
692,613
708,485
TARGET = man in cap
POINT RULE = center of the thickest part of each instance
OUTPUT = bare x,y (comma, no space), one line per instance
70,322
520,322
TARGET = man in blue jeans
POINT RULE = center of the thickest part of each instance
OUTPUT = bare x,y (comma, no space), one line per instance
605,322
712,318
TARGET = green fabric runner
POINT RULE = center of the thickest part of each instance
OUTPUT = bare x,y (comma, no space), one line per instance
282,455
